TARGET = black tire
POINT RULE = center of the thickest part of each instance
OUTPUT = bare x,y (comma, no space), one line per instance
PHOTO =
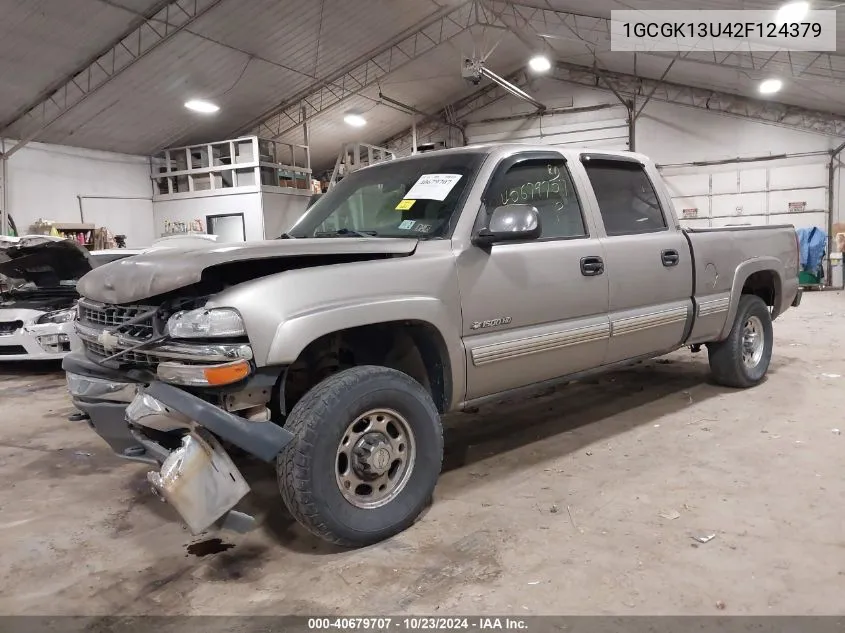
306,468
726,357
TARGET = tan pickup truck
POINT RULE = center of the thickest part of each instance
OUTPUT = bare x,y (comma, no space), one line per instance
413,288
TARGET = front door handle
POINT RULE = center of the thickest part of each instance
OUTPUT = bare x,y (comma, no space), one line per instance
670,257
592,266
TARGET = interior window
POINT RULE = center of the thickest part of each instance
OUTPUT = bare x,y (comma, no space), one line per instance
546,185
627,200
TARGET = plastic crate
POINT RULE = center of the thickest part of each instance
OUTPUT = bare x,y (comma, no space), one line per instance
807,279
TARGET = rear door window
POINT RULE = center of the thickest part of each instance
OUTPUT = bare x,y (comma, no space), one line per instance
626,197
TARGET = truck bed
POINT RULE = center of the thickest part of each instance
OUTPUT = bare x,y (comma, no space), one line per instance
721,257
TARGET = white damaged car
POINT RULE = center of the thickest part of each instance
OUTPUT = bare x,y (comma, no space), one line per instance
38,297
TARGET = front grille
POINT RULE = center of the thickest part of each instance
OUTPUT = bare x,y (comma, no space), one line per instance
113,316
10,327
12,350
134,358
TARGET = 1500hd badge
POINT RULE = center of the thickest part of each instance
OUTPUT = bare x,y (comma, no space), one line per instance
477,325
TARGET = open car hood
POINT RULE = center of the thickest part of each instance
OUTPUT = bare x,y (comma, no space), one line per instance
157,272
47,265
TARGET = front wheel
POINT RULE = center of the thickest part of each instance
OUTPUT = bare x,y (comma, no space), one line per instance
366,455
742,359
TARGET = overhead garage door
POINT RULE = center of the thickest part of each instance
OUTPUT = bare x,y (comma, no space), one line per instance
601,129
752,195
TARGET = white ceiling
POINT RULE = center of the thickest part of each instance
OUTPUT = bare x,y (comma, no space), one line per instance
250,57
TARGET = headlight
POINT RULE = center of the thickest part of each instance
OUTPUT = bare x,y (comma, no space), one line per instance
204,323
59,316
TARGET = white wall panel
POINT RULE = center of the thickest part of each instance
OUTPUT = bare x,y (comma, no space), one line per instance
800,220
46,180
753,179
815,199
190,209
688,185
132,218
739,204
725,182
798,176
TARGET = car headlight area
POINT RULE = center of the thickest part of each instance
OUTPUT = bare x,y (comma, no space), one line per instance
206,323
58,316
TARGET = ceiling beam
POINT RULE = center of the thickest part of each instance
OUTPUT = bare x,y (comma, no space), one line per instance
145,35
771,112
593,34
364,72
459,111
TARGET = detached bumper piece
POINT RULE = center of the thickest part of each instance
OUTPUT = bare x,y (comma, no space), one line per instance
200,481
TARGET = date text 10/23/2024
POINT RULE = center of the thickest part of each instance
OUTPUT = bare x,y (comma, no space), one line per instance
420,623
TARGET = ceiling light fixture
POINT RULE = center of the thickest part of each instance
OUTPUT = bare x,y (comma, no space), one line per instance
355,120
792,12
770,86
540,64
198,105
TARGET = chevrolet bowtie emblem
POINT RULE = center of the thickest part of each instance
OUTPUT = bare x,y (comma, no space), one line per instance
108,340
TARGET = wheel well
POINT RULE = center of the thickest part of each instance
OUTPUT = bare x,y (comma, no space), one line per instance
764,284
413,347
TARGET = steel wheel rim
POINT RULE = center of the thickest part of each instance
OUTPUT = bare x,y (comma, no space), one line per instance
375,458
753,341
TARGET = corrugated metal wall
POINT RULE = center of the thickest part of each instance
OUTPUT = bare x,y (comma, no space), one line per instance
603,129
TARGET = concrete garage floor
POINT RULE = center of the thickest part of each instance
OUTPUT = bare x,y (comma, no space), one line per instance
549,505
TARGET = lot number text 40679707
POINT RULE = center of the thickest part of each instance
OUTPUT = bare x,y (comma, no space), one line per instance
419,623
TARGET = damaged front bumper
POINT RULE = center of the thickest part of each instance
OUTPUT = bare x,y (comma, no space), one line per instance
160,424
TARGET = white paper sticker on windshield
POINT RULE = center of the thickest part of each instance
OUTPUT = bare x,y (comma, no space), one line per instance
433,187
407,225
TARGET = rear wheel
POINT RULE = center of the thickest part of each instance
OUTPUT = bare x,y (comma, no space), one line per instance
366,455
742,359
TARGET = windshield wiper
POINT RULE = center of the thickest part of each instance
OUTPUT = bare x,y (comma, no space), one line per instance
346,232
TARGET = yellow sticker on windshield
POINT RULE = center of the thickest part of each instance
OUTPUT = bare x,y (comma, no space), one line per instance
404,205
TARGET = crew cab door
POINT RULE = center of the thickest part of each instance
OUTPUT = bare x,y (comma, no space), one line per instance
647,259
536,309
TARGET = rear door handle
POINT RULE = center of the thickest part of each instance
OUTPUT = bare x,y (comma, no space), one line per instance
670,257
592,266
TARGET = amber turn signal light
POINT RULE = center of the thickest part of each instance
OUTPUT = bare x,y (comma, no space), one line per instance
226,374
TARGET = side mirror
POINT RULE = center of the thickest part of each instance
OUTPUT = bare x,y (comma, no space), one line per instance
510,223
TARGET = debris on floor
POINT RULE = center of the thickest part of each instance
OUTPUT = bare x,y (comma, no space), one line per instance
208,546
670,514
82,454
704,539
720,605
836,431
553,509
831,375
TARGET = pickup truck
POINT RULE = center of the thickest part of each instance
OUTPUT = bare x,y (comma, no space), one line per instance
411,289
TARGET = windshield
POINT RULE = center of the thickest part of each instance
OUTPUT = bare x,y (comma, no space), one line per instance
416,198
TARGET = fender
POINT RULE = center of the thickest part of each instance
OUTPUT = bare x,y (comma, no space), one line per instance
741,275
299,330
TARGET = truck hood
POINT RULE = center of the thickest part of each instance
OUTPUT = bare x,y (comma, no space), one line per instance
49,265
160,271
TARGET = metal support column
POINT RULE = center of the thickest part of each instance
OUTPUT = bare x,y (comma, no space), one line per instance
4,196
632,126
413,135
831,199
